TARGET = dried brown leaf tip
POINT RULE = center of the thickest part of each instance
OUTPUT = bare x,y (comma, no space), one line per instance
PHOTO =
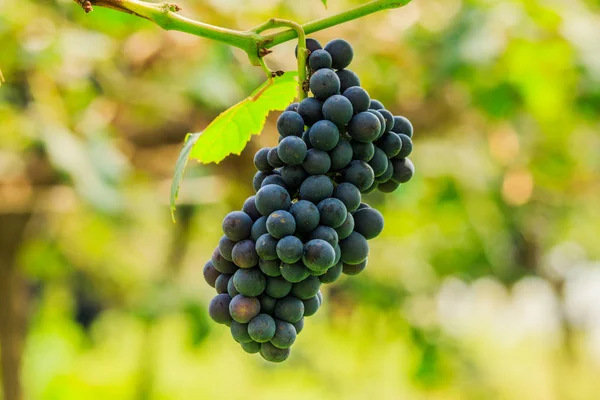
87,6
171,7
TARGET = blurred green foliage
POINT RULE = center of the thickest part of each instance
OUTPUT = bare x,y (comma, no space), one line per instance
482,286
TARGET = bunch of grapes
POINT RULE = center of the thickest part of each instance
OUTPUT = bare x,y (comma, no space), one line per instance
306,225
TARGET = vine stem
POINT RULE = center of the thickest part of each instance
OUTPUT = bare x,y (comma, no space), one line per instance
302,50
252,42
337,19
266,69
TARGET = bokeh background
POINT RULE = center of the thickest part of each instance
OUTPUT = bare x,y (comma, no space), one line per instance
485,283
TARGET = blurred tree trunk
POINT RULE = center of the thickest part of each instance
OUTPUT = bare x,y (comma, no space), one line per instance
13,298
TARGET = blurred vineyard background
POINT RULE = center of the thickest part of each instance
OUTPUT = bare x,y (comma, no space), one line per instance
484,285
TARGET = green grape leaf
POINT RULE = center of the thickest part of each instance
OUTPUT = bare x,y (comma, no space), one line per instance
232,129
182,160
324,3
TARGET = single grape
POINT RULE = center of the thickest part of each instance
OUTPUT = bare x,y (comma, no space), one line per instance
332,273
364,127
210,273
341,155
244,254
325,233
333,212
338,109
316,273
278,287
281,223
407,146
237,225
387,175
360,174
251,347
239,332
258,179
310,109
306,215
231,290
312,45
262,328
389,119
368,222
311,305
260,160
355,249
289,309
267,303
338,253
273,158
306,138
292,150
273,180
270,267
318,255
221,283
381,121
307,288
290,123
390,143
293,176
292,107
294,272
299,325
218,309
316,188
371,188
355,269
324,135
259,228
403,170
362,151
249,282
376,105
379,162
319,59
348,79
388,186
243,308
341,53
266,247
221,264
272,198
349,195
289,249
346,228
402,125
274,354
359,98
317,162
249,208
285,335
324,83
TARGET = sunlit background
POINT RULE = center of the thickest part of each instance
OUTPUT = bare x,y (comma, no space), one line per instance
485,283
